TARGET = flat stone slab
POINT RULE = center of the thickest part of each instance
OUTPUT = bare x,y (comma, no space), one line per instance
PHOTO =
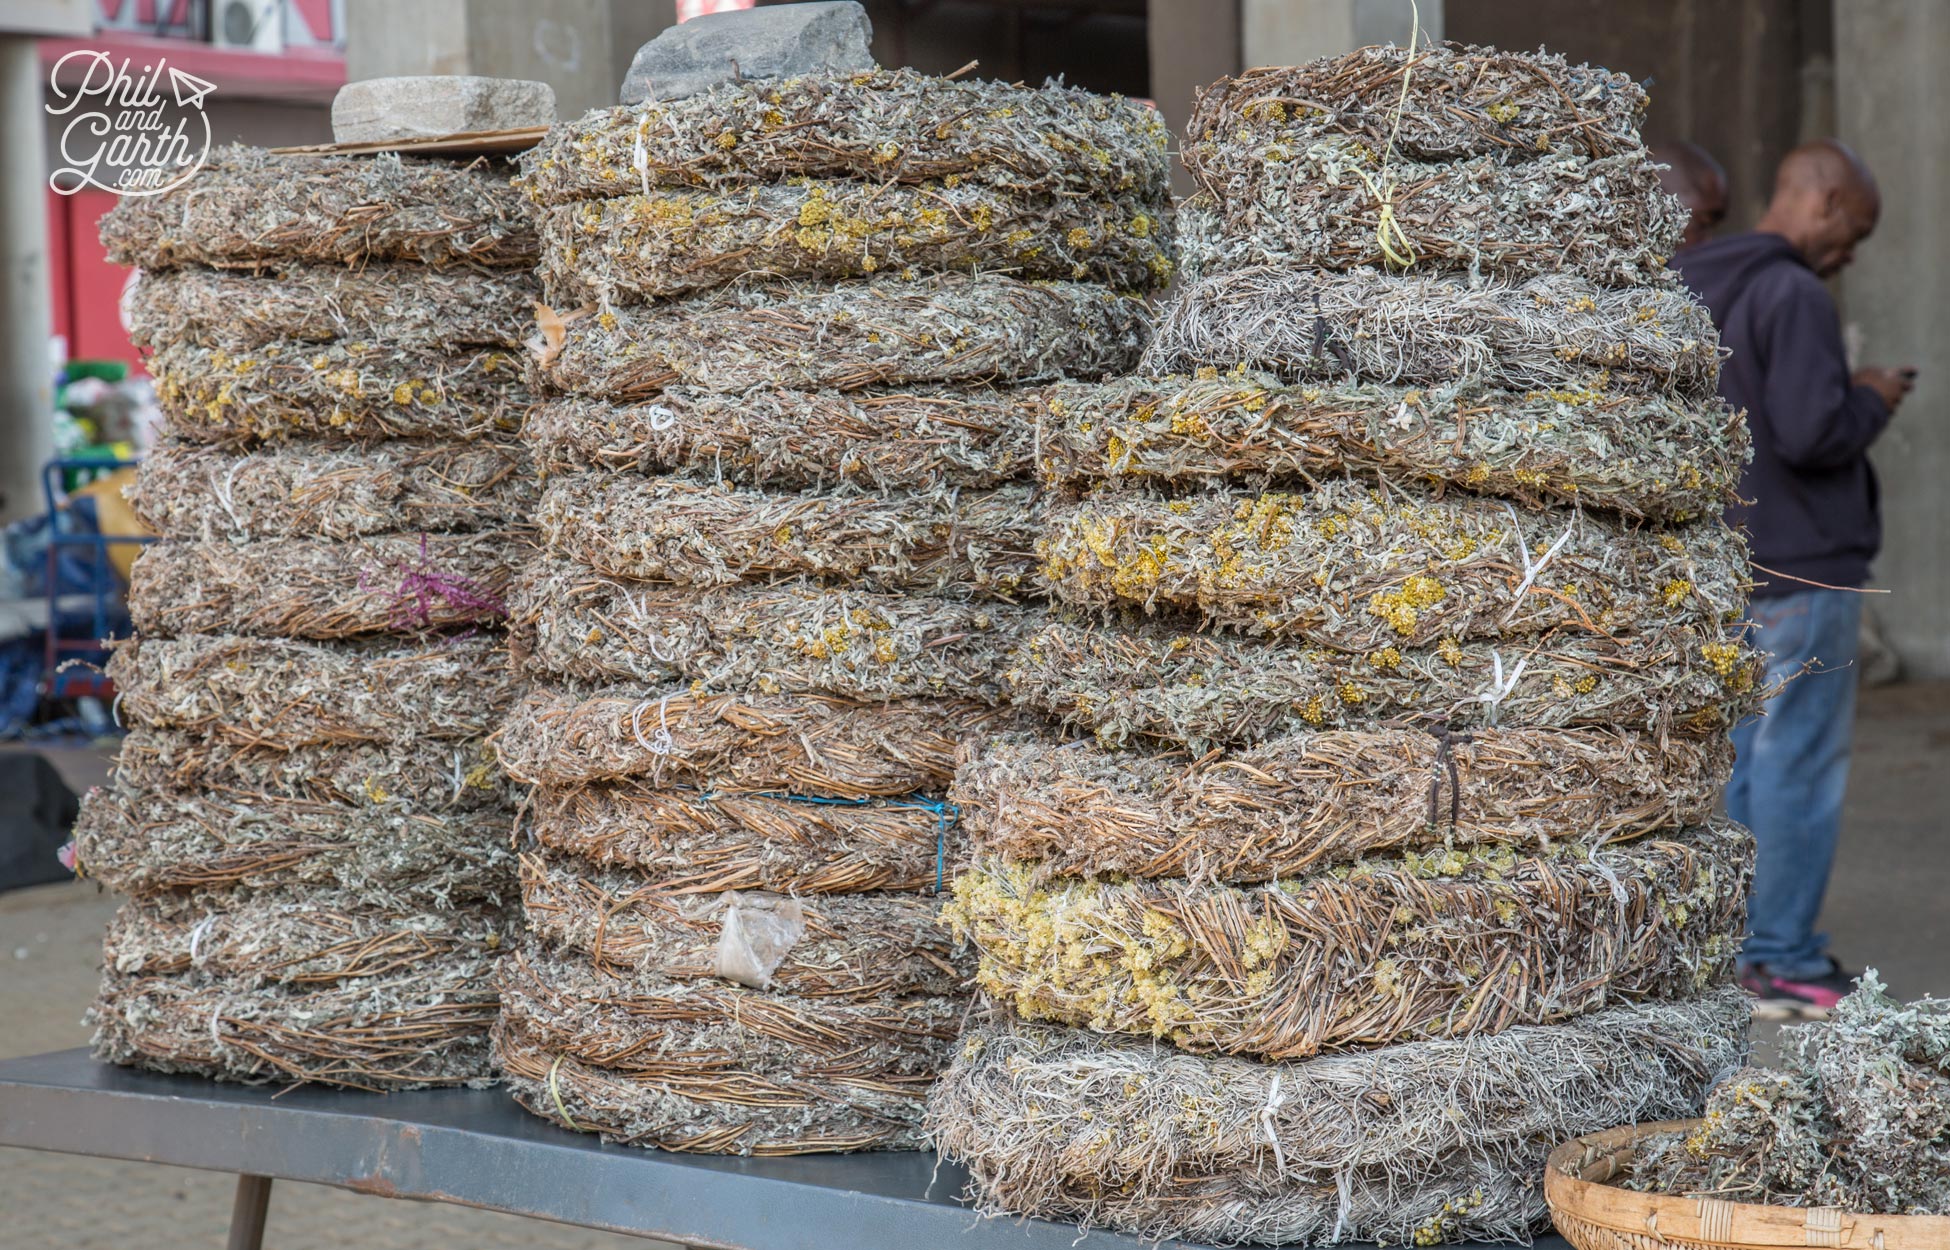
386,110
777,41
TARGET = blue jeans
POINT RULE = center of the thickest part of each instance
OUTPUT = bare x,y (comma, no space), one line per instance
1791,770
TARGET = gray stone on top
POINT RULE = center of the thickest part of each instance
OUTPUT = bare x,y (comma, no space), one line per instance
388,110
776,41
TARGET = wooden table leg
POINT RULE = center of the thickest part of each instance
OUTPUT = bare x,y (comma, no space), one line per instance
247,1213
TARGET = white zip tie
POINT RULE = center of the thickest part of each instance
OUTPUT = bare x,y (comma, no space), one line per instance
661,744
198,933
1273,1100
225,491
640,153
661,417
1530,571
460,782
115,709
1499,688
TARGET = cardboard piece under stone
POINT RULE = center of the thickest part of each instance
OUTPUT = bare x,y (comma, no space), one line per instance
387,110
778,41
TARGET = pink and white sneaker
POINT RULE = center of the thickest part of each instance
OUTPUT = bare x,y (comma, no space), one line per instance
1796,998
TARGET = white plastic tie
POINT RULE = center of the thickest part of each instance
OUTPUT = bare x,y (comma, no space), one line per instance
1500,688
661,743
640,152
1274,1100
1531,571
198,933
661,417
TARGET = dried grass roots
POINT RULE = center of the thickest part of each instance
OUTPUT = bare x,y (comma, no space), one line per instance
573,623
691,840
339,390
424,1027
297,588
393,304
1423,1143
883,125
708,535
1646,456
1461,102
886,331
855,946
1444,944
1302,803
641,247
286,693
1137,679
808,744
396,855
319,490
712,1067
1365,568
248,208
919,439
1560,335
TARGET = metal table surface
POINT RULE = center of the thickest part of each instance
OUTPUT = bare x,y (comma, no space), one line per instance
479,1149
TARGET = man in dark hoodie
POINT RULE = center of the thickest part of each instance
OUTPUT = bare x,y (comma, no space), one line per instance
1814,525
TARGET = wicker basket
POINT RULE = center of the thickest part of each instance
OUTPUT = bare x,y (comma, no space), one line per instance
1594,1214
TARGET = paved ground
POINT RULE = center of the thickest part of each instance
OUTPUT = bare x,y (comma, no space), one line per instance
1886,908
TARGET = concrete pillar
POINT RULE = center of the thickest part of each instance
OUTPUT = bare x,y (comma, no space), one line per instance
26,301
1891,96
581,48
1287,32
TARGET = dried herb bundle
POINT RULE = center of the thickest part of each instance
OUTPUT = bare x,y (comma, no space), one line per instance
923,439
391,855
297,938
808,744
279,692
251,208
1556,334
1461,102
1450,943
1646,456
297,588
1138,679
1856,1117
848,335
855,946
790,638
691,841
1423,1143
1366,568
636,248
717,1068
427,776
1322,206
338,390
702,534
318,490
884,125
1308,801
392,304
426,1026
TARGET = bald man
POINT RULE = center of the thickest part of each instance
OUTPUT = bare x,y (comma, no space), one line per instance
1699,182
1814,525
